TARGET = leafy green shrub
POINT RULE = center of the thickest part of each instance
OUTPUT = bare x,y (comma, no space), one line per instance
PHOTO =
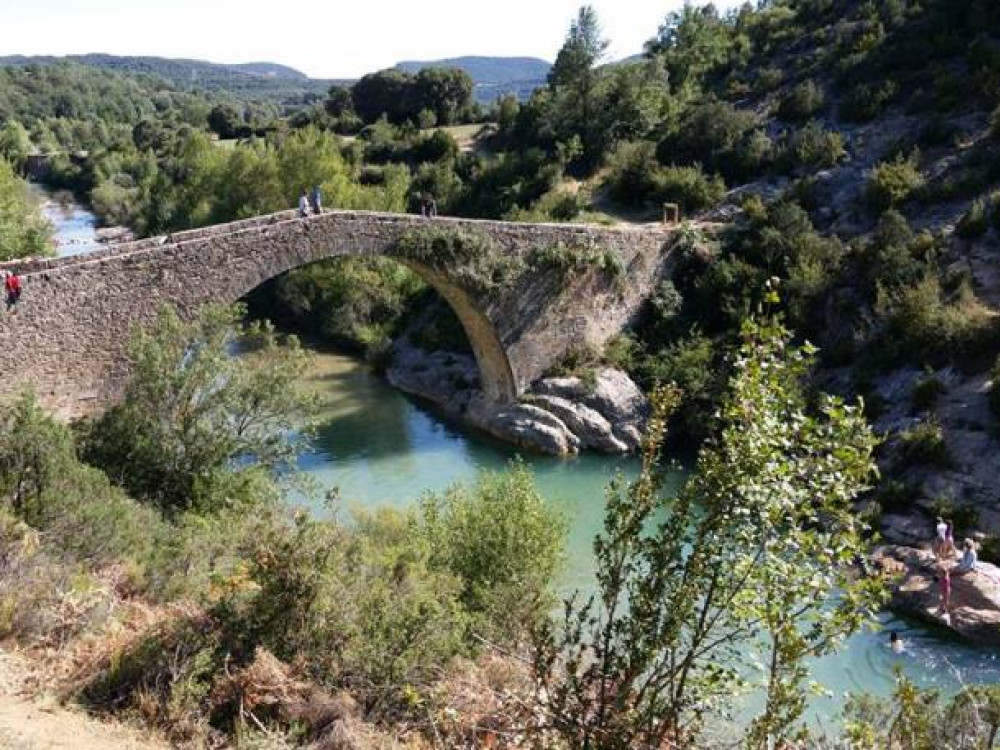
690,364
923,326
633,172
567,259
690,187
989,550
926,392
924,445
802,102
198,427
813,147
636,178
23,230
719,137
469,257
768,79
865,101
975,222
892,183
895,256
503,541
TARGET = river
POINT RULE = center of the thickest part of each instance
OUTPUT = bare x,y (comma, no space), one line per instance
74,227
380,448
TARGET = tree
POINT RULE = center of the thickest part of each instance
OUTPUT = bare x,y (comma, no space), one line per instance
582,51
198,426
692,42
574,78
749,563
23,231
447,92
226,121
15,144
339,101
383,93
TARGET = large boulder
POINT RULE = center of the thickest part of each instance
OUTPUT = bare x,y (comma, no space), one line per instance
593,430
525,426
975,596
612,394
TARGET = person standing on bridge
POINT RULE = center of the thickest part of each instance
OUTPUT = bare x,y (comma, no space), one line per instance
316,198
304,205
12,285
428,207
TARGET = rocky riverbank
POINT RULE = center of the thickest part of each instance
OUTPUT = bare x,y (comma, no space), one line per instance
560,415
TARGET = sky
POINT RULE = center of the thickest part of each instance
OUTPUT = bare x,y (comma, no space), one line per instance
325,39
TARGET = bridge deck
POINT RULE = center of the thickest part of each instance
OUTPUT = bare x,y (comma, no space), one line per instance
30,266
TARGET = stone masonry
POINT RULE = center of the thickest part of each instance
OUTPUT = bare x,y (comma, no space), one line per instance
68,337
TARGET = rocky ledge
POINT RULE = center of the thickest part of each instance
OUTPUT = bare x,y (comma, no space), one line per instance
560,416
975,596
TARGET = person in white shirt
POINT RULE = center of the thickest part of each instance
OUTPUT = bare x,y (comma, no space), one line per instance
940,538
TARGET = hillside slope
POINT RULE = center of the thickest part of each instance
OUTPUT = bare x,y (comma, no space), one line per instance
493,76
260,80
868,134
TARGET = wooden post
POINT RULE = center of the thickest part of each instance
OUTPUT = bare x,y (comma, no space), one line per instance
671,213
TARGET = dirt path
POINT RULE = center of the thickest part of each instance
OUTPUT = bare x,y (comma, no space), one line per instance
37,724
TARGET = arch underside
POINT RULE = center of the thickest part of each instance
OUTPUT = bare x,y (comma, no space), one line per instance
496,374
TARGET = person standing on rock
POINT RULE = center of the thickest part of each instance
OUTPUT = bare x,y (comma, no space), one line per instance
12,285
944,582
304,205
940,538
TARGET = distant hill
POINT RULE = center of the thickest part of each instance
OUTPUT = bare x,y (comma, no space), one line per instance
256,80
493,76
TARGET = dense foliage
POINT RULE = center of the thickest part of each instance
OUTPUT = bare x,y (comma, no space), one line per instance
733,575
23,231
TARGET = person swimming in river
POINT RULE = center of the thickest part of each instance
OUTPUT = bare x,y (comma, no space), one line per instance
896,643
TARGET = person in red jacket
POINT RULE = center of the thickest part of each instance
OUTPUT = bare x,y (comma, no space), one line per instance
12,285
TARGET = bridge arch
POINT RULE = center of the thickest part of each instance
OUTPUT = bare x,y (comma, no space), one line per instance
495,372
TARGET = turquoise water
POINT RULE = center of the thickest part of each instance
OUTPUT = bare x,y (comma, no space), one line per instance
380,448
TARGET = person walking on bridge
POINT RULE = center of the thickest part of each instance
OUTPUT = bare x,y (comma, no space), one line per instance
316,198
304,205
12,285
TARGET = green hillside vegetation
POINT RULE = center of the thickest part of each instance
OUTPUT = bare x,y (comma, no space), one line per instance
482,70
275,84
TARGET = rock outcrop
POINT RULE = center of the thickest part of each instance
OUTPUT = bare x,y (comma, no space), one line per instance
975,596
613,395
560,416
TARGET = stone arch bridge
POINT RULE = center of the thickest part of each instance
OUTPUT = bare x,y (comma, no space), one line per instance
577,286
